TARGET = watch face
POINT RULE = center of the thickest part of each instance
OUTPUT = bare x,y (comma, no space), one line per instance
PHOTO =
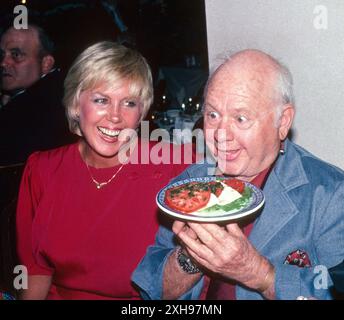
186,264
183,258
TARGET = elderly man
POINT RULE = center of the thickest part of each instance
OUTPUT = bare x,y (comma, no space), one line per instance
282,253
31,114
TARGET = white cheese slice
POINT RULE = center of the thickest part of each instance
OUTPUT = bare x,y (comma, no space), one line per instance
212,201
227,195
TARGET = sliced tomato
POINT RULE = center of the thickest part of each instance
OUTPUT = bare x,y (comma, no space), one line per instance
188,198
216,187
235,184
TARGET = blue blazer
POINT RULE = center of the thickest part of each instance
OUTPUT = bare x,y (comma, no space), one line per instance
304,210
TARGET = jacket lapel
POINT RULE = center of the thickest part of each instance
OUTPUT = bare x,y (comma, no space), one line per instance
279,207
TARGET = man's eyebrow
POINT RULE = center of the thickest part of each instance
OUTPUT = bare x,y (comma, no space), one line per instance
211,106
242,109
16,49
207,104
236,109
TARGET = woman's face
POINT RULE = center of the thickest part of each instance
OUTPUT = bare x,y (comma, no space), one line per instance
103,114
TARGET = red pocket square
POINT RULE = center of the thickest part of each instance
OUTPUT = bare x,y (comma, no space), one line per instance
298,258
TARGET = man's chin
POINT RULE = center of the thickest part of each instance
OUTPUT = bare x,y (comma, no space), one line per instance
8,86
226,168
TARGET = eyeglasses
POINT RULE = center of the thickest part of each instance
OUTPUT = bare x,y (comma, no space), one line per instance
240,120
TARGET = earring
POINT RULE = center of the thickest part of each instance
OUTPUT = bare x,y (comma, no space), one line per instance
281,151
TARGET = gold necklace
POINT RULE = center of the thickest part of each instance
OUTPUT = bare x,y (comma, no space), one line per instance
102,184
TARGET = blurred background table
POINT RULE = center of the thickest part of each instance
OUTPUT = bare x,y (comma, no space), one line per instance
176,122
182,83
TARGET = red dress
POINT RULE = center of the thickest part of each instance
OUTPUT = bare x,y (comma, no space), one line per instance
89,240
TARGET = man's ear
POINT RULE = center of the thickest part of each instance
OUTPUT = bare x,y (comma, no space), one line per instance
47,63
286,121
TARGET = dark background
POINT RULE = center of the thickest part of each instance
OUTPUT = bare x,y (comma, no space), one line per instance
164,31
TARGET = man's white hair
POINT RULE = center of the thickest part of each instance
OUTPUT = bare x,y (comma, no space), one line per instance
283,84
284,88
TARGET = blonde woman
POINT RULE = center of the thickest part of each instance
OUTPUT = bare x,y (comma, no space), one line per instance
84,218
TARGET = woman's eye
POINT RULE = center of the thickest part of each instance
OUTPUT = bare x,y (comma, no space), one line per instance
130,103
101,101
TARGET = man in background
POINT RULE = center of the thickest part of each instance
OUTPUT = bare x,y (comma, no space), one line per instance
31,114
32,118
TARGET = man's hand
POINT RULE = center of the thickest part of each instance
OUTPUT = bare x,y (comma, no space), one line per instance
228,252
180,226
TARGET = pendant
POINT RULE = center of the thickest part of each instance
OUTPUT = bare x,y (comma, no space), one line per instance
100,185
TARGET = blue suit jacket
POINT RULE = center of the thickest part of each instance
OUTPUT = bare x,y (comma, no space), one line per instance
304,209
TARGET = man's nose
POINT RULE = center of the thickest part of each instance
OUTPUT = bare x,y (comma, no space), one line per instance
224,131
5,60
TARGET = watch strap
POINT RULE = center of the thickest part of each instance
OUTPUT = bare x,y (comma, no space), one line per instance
186,263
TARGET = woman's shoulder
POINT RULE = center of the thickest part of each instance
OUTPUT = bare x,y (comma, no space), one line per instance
50,160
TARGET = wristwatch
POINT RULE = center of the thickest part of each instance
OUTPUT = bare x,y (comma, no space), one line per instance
185,262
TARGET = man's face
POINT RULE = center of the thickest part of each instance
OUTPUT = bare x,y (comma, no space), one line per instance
20,62
239,122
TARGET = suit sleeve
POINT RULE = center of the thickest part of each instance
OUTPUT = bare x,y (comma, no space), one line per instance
148,275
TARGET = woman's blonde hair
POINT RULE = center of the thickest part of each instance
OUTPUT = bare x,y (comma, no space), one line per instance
110,63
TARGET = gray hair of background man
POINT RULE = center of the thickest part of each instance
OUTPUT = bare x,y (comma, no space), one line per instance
47,46
283,84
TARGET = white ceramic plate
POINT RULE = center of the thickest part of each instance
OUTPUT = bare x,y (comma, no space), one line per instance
254,203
